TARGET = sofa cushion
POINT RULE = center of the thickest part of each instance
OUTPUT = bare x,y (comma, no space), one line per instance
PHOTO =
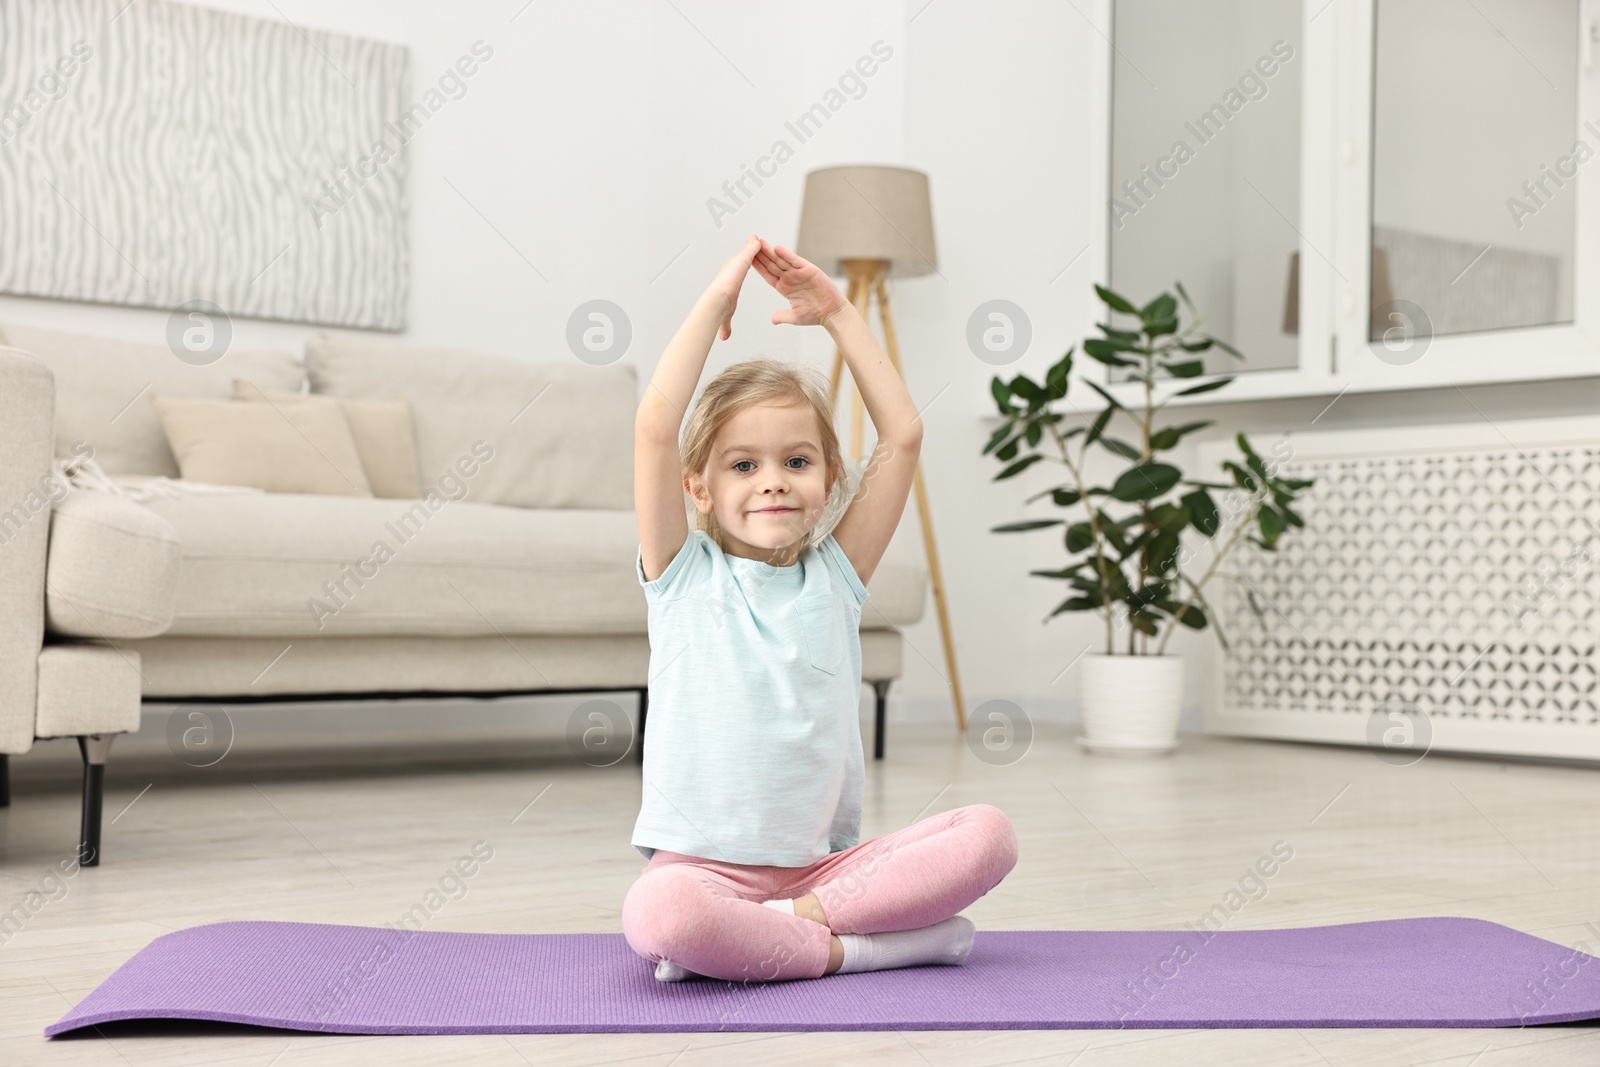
281,448
112,568
381,428
291,565
562,432
100,382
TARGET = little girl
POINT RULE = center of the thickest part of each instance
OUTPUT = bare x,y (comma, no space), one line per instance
751,813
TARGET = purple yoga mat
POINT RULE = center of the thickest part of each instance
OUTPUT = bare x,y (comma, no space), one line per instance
378,980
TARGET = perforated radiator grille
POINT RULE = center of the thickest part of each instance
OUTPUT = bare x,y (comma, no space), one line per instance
1462,583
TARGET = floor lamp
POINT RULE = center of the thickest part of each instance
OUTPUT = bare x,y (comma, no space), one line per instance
869,223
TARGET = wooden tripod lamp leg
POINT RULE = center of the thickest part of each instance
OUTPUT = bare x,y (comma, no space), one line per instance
892,345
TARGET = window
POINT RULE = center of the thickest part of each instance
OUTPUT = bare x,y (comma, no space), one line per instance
1474,153
1205,165
1358,194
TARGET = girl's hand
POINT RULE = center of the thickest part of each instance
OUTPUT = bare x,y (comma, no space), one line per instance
811,294
730,279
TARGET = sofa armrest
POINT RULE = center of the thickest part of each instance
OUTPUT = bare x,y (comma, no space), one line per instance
27,490
112,569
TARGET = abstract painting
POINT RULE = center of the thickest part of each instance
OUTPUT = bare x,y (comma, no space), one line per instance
155,154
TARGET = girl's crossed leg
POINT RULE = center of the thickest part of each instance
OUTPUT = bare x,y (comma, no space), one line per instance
707,916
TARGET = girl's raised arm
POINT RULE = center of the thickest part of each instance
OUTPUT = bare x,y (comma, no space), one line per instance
657,469
874,511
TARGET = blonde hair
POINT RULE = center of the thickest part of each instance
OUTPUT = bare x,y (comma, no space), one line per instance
746,385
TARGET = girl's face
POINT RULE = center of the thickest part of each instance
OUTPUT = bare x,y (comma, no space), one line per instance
764,458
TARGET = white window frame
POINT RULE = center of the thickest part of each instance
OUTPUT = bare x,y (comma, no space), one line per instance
1335,224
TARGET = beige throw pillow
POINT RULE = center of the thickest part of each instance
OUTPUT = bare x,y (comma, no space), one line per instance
292,448
381,429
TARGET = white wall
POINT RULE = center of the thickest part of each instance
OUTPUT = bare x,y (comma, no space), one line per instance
591,141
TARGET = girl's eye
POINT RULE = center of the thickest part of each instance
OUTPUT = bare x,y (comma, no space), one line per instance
802,459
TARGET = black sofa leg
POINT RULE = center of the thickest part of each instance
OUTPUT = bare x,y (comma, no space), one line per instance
882,691
5,780
94,748
644,709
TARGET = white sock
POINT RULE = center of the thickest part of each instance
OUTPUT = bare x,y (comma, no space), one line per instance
667,971
948,942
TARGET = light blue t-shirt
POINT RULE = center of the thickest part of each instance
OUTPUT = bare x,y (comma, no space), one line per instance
753,739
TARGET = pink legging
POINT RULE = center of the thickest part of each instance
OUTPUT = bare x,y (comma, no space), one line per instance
707,916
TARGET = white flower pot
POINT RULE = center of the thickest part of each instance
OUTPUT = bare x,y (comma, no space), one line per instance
1130,703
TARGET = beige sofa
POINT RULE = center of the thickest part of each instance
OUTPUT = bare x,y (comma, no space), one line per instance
513,575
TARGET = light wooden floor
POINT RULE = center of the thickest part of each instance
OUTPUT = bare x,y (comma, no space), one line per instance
358,837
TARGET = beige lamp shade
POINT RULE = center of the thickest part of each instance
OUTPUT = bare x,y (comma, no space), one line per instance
868,212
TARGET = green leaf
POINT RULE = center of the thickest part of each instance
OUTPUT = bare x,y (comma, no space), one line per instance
1195,346
1019,466
1157,327
1113,401
1077,603
1121,448
1128,337
1168,436
1226,347
1002,395
1106,353
1167,514
1203,387
1055,380
1079,537
1271,524
1149,594
1030,391
1114,301
1184,293
1192,617
1113,531
1145,481
1252,460
1046,492
1162,307
1191,368
1098,427
1031,524
1203,514
1009,450
998,436
1118,341
1035,433
1241,477
1087,584
1064,497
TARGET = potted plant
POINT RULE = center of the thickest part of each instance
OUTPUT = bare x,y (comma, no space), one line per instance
1131,699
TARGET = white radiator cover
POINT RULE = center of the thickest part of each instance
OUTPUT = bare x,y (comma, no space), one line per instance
1445,574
